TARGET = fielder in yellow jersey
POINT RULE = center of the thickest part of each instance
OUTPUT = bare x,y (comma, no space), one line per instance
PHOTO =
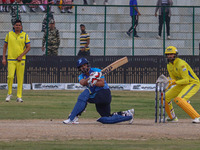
18,44
187,84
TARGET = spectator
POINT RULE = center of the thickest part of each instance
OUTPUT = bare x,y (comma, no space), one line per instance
134,12
94,2
18,44
53,39
5,7
23,8
85,2
15,13
48,2
84,42
105,2
44,23
33,7
65,2
161,8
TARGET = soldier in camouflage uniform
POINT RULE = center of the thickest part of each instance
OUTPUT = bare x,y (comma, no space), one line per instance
44,23
53,39
14,12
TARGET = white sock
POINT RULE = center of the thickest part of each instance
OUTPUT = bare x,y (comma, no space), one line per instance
42,8
1,8
24,8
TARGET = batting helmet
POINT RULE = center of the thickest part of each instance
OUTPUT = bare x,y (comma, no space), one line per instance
81,62
171,50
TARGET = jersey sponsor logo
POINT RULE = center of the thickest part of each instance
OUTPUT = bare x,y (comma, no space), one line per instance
169,49
21,37
79,61
184,69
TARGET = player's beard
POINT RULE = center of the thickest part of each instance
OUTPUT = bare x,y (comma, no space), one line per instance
86,70
170,60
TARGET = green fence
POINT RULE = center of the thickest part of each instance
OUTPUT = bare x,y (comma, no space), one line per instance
107,26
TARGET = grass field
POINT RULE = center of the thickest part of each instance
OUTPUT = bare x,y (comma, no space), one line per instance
103,145
58,104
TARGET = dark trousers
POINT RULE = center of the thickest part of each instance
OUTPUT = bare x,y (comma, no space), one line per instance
102,102
85,1
161,21
135,19
84,53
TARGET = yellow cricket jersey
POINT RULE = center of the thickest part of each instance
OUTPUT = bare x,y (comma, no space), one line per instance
180,71
16,44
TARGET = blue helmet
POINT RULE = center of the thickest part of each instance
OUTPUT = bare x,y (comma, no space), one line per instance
81,62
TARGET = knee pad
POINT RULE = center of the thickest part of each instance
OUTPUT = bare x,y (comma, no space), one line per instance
11,78
186,107
114,119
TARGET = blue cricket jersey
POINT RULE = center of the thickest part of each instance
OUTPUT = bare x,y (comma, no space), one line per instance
93,89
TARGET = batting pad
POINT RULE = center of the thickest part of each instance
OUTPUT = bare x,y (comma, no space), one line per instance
114,119
186,107
80,104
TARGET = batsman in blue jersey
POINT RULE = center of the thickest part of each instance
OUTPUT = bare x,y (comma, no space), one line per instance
97,92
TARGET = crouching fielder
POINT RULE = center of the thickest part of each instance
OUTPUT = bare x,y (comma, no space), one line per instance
187,84
97,92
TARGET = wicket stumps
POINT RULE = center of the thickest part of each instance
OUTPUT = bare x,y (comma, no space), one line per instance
160,95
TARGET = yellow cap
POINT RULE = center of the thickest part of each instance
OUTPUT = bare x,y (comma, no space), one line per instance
171,50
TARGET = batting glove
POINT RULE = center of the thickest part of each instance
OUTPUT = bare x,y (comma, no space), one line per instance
96,75
171,82
92,81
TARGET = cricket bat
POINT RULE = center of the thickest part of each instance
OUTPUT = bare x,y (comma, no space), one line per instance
114,65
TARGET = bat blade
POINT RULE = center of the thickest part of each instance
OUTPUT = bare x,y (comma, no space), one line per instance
114,65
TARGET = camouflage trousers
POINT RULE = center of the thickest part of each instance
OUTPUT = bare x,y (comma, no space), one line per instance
52,51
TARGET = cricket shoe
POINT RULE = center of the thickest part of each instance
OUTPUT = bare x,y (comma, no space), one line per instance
130,112
196,120
175,119
19,100
69,121
128,34
8,98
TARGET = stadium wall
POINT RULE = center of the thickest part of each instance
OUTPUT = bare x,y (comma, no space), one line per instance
62,69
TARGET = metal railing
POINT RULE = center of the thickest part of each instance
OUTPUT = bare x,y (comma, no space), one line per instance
107,26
